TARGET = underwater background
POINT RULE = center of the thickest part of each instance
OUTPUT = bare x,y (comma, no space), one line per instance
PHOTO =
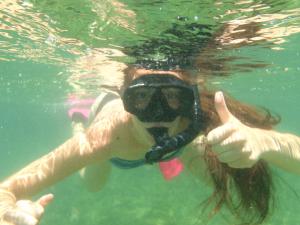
53,49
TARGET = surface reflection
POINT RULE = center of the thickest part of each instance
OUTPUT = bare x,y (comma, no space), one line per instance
96,37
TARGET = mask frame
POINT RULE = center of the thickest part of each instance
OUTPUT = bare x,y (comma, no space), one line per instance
155,100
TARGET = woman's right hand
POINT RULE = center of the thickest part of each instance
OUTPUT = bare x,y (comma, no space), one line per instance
234,143
27,212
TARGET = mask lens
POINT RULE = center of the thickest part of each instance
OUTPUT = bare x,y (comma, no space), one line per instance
178,98
141,96
172,95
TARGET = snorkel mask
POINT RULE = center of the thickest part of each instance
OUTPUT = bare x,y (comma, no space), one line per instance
161,98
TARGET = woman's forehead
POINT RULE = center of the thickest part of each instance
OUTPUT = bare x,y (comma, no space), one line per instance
143,72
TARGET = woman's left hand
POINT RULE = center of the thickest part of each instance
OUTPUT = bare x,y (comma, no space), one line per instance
26,212
233,142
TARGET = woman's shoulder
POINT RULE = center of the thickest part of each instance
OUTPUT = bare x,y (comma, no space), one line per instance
112,114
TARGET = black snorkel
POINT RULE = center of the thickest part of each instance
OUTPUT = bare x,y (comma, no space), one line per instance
167,147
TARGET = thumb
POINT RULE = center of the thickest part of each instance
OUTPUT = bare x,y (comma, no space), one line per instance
45,199
221,108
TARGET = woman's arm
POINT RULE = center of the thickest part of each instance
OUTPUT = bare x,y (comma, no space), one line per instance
79,151
51,168
63,161
283,150
82,149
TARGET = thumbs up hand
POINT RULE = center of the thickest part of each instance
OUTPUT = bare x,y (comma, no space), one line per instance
233,142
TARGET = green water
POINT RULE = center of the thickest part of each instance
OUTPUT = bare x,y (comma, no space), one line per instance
42,47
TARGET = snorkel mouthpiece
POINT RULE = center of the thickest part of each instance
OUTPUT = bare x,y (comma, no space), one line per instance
158,133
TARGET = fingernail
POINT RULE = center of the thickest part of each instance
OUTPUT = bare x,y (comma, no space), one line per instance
219,96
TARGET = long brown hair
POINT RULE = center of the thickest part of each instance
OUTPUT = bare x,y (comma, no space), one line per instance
252,186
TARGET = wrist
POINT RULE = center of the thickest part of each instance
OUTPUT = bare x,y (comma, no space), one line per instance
284,151
7,201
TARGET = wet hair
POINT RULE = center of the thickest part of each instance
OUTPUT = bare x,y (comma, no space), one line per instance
246,192
194,46
176,47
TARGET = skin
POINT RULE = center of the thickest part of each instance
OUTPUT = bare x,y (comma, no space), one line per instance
113,133
28,212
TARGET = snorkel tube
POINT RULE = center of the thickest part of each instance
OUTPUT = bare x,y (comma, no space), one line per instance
168,147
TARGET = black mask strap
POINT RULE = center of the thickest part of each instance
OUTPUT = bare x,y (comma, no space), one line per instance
167,147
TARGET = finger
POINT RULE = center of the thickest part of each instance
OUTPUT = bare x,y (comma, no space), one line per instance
236,141
221,108
228,145
229,156
45,200
41,203
219,134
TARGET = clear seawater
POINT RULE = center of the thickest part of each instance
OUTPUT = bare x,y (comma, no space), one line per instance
46,46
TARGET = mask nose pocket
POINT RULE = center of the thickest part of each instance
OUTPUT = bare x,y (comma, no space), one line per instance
156,106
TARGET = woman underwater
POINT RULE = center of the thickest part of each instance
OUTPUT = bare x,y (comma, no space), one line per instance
161,116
